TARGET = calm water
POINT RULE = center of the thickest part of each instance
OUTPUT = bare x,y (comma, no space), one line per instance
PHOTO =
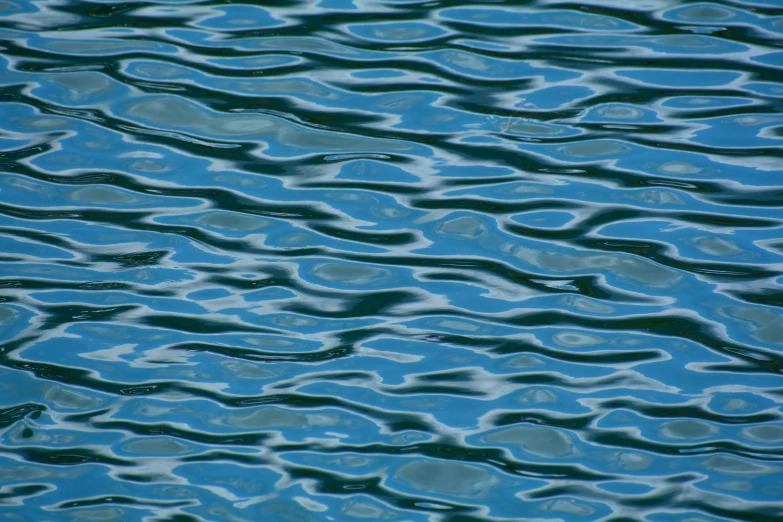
391,260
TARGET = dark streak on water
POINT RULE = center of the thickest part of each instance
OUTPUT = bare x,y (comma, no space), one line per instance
391,260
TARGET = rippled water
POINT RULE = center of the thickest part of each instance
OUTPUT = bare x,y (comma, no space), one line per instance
391,260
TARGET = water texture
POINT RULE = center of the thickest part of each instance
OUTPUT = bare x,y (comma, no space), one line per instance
391,260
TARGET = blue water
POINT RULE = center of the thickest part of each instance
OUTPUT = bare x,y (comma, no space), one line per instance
338,260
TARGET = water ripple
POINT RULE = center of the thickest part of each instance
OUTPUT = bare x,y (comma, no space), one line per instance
394,260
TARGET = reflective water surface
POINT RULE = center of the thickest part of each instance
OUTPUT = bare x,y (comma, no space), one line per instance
391,260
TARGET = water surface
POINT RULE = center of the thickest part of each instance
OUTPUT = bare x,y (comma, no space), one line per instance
391,260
